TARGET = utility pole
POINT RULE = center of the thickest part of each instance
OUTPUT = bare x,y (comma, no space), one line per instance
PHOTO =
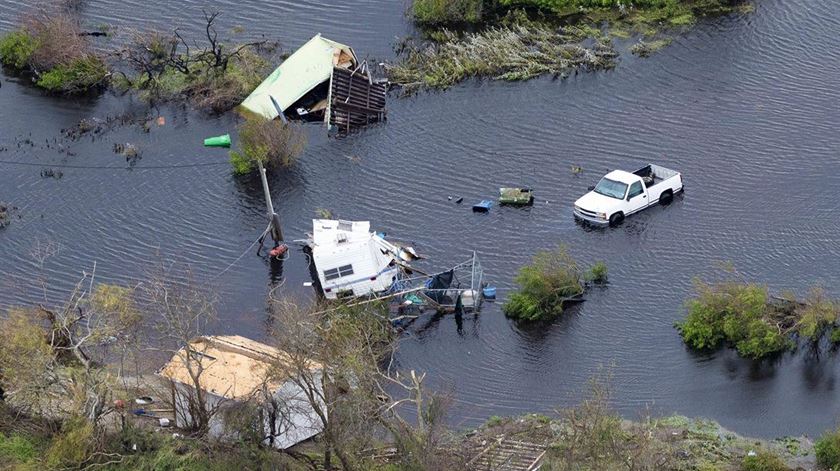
276,229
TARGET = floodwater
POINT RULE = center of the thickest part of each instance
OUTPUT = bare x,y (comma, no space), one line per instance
747,107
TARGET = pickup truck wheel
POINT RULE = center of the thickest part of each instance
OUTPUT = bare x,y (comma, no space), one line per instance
666,197
616,219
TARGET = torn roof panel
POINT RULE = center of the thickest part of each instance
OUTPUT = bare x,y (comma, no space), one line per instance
234,367
310,66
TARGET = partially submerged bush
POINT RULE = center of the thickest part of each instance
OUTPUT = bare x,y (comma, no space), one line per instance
432,12
272,142
827,450
597,273
214,76
552,279
745,316
77,76
763,460
51,46
16,49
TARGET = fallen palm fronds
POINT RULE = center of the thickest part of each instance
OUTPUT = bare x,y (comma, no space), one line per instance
518,52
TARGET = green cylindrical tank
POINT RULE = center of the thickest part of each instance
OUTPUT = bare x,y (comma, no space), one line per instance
218,141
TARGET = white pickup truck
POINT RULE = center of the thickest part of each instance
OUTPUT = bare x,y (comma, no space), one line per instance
620,194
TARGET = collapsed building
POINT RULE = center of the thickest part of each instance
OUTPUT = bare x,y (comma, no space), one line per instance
322,81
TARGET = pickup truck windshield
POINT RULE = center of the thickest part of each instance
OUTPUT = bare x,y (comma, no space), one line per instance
611,188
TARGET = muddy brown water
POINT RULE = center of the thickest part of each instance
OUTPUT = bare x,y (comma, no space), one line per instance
746,106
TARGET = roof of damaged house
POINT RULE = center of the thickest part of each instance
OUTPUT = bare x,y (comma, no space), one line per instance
308,67
234,367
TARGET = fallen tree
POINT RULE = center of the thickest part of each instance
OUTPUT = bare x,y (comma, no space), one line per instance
745,316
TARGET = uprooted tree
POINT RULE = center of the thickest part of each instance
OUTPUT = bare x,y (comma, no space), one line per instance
746,316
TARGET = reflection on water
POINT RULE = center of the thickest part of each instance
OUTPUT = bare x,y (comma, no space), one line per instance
745,106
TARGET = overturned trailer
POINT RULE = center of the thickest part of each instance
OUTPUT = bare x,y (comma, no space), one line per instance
350,261
322,80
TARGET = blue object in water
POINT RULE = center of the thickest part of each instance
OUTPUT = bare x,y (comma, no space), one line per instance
483,206
490,292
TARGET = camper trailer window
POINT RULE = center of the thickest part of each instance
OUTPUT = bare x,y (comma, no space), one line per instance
338,272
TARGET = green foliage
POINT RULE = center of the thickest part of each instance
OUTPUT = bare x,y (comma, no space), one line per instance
597,273
494,421
80,75
16,48
827,450
552,278
818,315
432,12
738,313
272,142
763,460
566,5
17,449
75,445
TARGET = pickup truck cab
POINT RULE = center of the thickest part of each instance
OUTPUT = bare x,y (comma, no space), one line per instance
620,194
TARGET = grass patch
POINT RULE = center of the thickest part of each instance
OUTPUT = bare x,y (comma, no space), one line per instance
827,450
522,39
763,460
518,52
440,12
646,48
17,449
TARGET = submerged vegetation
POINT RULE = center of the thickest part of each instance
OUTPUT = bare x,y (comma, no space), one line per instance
50,46
552,280
745,316
517,52
522,39
214,76
273,143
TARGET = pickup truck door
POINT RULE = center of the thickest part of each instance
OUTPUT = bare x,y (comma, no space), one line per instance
637,197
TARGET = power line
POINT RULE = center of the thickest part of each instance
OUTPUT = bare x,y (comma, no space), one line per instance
95,167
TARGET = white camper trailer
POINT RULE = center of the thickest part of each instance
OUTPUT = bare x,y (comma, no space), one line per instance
353,261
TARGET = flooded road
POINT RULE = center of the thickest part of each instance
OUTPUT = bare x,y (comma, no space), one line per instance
747,107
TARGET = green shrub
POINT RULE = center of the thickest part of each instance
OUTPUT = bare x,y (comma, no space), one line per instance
550,279
597,273
433,12
16,49
272,142
763,460
827,450
80,75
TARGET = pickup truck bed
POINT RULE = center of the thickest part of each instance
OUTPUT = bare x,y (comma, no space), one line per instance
653,174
